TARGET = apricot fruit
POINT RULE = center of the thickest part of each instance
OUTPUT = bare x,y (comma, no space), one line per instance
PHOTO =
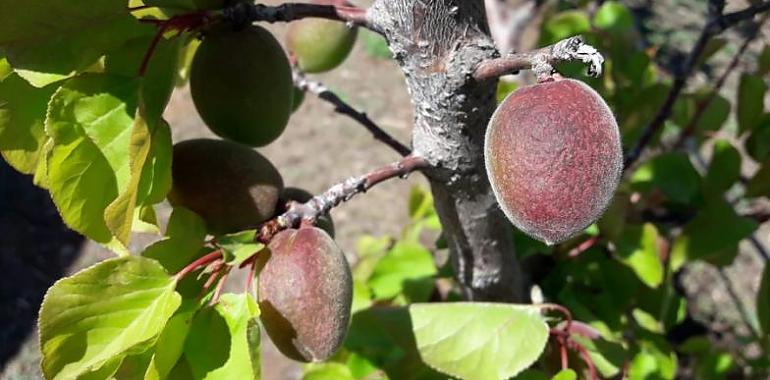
294,194
320,45
305,294
241,85
553,156
231,186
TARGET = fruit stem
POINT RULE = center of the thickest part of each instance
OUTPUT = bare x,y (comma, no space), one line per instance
218,290
200,262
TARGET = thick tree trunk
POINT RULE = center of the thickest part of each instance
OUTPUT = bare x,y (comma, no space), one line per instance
438,44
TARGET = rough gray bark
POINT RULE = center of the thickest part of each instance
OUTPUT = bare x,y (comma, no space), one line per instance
439,44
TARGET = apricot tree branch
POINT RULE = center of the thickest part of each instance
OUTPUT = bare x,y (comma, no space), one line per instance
340,106
337,194
244,12
541,61
717,23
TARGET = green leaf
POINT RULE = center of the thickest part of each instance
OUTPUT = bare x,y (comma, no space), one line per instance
223,342
763,302
383,336
638,249
712,235
420,203
22,122
5,68
170,344
613,16
751,95
764,61
565,374
563,25
160,74
725,168
714,115
406,261
50,40
90,119
328,371
112,309
712,47
239,246
185,234
759,185
655,361
479,340
671,173
758,143
119,215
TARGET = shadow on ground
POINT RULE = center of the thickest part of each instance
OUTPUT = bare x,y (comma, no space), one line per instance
36,249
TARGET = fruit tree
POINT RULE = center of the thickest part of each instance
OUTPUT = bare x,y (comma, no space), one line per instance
565,212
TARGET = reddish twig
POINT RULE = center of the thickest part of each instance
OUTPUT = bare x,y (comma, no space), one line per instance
337,194
562,310
244,13
563,352
197,264
586,358
220,284
179,23
341,107
716,24
584,246
541,61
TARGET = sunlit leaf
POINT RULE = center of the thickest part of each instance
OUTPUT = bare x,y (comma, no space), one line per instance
563,25
328,371
102,313
478,340
239,246
671,173
406,262
613,15
638,249
22,121
223,342
184,237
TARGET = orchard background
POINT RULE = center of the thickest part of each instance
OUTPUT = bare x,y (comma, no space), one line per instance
672,285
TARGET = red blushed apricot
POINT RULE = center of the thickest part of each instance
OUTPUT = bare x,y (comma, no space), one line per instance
554,158
305,294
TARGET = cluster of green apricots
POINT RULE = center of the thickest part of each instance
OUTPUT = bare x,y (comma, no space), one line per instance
242,87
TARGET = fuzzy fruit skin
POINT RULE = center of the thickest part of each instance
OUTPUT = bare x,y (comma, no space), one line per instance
554,158
305,294
295,194
241,85
320,45
231,186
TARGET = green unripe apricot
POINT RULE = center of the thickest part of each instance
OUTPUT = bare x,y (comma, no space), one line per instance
241,85
231,186
294,194
299,97
320,45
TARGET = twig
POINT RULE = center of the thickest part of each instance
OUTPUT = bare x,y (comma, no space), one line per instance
244,13
220,284
340,106
717,23
341,192
701,107
541,61
203,261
